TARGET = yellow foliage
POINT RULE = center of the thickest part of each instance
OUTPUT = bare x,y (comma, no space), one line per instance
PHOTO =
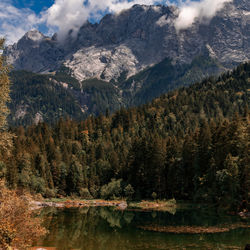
5,138
19,228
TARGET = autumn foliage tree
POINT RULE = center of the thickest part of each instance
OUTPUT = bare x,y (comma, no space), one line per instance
5,138
18,227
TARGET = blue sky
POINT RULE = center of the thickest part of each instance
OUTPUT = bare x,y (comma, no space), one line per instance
50,16
36,5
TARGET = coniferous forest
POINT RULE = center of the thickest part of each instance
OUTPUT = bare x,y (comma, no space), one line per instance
190,144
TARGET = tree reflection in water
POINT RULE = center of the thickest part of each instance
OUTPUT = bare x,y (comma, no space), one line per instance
106,228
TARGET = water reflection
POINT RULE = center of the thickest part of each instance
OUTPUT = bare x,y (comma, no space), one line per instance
106,228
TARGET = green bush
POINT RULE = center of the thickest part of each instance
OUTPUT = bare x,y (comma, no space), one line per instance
112,190
50,193
85,194
129,191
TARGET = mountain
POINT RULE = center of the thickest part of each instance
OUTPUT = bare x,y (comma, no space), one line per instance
135,39
138,53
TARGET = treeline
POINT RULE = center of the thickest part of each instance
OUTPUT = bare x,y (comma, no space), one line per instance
192,143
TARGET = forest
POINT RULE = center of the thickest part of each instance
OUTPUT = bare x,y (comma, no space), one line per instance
191,144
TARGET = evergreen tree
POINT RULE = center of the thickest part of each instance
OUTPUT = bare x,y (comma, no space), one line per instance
5,137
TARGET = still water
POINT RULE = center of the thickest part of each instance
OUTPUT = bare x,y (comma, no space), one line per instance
109,229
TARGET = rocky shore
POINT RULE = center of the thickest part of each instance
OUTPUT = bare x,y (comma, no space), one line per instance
82,203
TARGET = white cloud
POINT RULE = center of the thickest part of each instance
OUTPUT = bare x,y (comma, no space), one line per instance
66,15
202,11
15,22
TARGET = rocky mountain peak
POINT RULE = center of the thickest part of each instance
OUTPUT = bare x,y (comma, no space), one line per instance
34,35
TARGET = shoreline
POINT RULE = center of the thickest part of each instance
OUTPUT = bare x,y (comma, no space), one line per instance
169,205
144,205
78,203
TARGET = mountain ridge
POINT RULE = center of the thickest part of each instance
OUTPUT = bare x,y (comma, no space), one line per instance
135,39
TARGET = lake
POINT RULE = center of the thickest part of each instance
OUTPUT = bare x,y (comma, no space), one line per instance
106,228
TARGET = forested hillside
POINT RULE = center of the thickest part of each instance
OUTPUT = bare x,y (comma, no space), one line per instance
47,97
192,143
165,76
37,98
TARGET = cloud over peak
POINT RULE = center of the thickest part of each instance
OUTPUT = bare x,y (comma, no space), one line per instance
66,15
15,22
202,11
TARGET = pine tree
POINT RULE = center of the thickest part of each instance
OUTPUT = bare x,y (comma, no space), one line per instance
5,138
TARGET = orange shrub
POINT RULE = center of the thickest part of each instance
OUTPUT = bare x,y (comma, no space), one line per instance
19,228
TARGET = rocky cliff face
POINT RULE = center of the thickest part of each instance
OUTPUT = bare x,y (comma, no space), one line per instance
139,37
